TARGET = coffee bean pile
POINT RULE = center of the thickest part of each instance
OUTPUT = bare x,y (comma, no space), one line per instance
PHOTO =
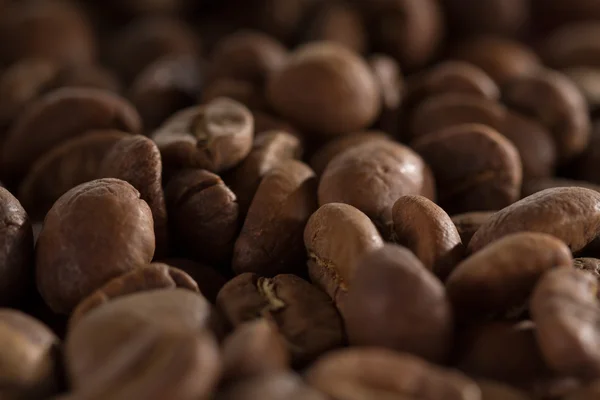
299,199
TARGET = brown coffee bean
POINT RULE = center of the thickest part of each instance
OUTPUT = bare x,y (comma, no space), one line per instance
486,168
501,58
572,45
565,309
554,100
491,390
570,214
369,373
372,176
247,56
271,240
532,187
151,277
254,348
590,265
426,230
333,148
148,39
338,22
55,30
274,386
136,160
376,314
500,278
587,80
502,17
65,166
270,149
449,77
82,244
251,95
29,357
204,215
411,31
336,236
308,88
468,223
58,116
216,136
208,279
391,86
304,315
166,86
505,351
16,254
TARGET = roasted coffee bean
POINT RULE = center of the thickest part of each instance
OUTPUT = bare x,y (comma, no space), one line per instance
336,236
204,215
93,233
499,279
58,116
274,386
502,17
565,309
532,187
136,160
555,101
216,136
254,348
304,315
369,373
391,86
375,314
501,58
166,86
475,168
570,214
468,223
152,277
270,149
271,240
572,45
65,166
16,254
29,357
56,30
247,56
147,40
372,176
491,390
307,90
502,350
425,229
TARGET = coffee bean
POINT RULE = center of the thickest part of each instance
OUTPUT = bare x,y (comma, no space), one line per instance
564,307
29,357
555,101
532,187
81,245
151,277
570,214
270,149
247,56
307,89
499,279
375,313
391,86
372,176
136,160
336,236
204,215
502,58
271,240
65,166
367,373
486,172
502,17
491,390
216,136
425,229
274,386
304,315
208,279
572,45
58,116
254,348
468,223
16,254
